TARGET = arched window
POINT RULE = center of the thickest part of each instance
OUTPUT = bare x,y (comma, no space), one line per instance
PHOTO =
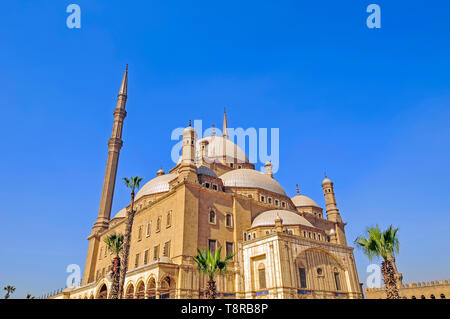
423,297
413,297
169,219
432,297
442,296
337,280
262,276
212,217
158,224
229,220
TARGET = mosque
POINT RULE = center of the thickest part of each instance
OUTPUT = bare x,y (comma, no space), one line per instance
213,197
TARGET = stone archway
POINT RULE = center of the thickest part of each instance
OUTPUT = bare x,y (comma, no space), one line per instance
319,270
151,288
129,292
102,292
167,288
140,290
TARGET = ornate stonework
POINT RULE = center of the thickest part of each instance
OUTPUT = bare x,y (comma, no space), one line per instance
282,248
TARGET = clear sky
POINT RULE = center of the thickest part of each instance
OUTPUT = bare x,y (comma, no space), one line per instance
370,107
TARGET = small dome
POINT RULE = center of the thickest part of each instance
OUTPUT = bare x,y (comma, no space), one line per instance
202,169
327,181
303,201
121,213
189,130
157,185
268,218
160,172
252,179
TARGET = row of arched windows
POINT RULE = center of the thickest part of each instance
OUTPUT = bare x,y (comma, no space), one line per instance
213,218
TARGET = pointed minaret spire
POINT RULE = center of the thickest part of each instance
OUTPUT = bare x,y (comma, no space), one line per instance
114,145
298,191
225,125
213,130
124,86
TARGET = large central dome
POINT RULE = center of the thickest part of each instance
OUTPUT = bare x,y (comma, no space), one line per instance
252,179
217,147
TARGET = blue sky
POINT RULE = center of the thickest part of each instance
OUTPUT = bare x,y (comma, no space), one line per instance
370,107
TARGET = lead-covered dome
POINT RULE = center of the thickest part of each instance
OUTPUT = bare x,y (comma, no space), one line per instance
303,201
157,185
268,218
252,179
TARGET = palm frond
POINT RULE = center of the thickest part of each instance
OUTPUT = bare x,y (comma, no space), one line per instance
379,243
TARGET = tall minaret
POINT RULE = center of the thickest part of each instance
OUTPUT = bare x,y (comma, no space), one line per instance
332,210
114,145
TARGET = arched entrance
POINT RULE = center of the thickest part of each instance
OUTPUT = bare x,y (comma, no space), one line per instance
103,292
130,292
140,291
167,288
151,289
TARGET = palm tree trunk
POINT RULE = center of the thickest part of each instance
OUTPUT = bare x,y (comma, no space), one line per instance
126,246
115,274
388,272
211,290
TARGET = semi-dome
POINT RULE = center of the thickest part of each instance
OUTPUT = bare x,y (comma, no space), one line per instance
202,169
268,218
303,201
157,185
252,179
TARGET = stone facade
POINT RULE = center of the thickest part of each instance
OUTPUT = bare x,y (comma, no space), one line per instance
283,247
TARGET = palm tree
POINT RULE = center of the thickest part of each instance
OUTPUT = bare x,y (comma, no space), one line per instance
114,243
9,290
29,296
210,264
384,244
133,184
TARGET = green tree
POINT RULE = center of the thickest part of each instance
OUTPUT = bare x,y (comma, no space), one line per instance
114,243
211,264
9,290
384,244
29,296
133,184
